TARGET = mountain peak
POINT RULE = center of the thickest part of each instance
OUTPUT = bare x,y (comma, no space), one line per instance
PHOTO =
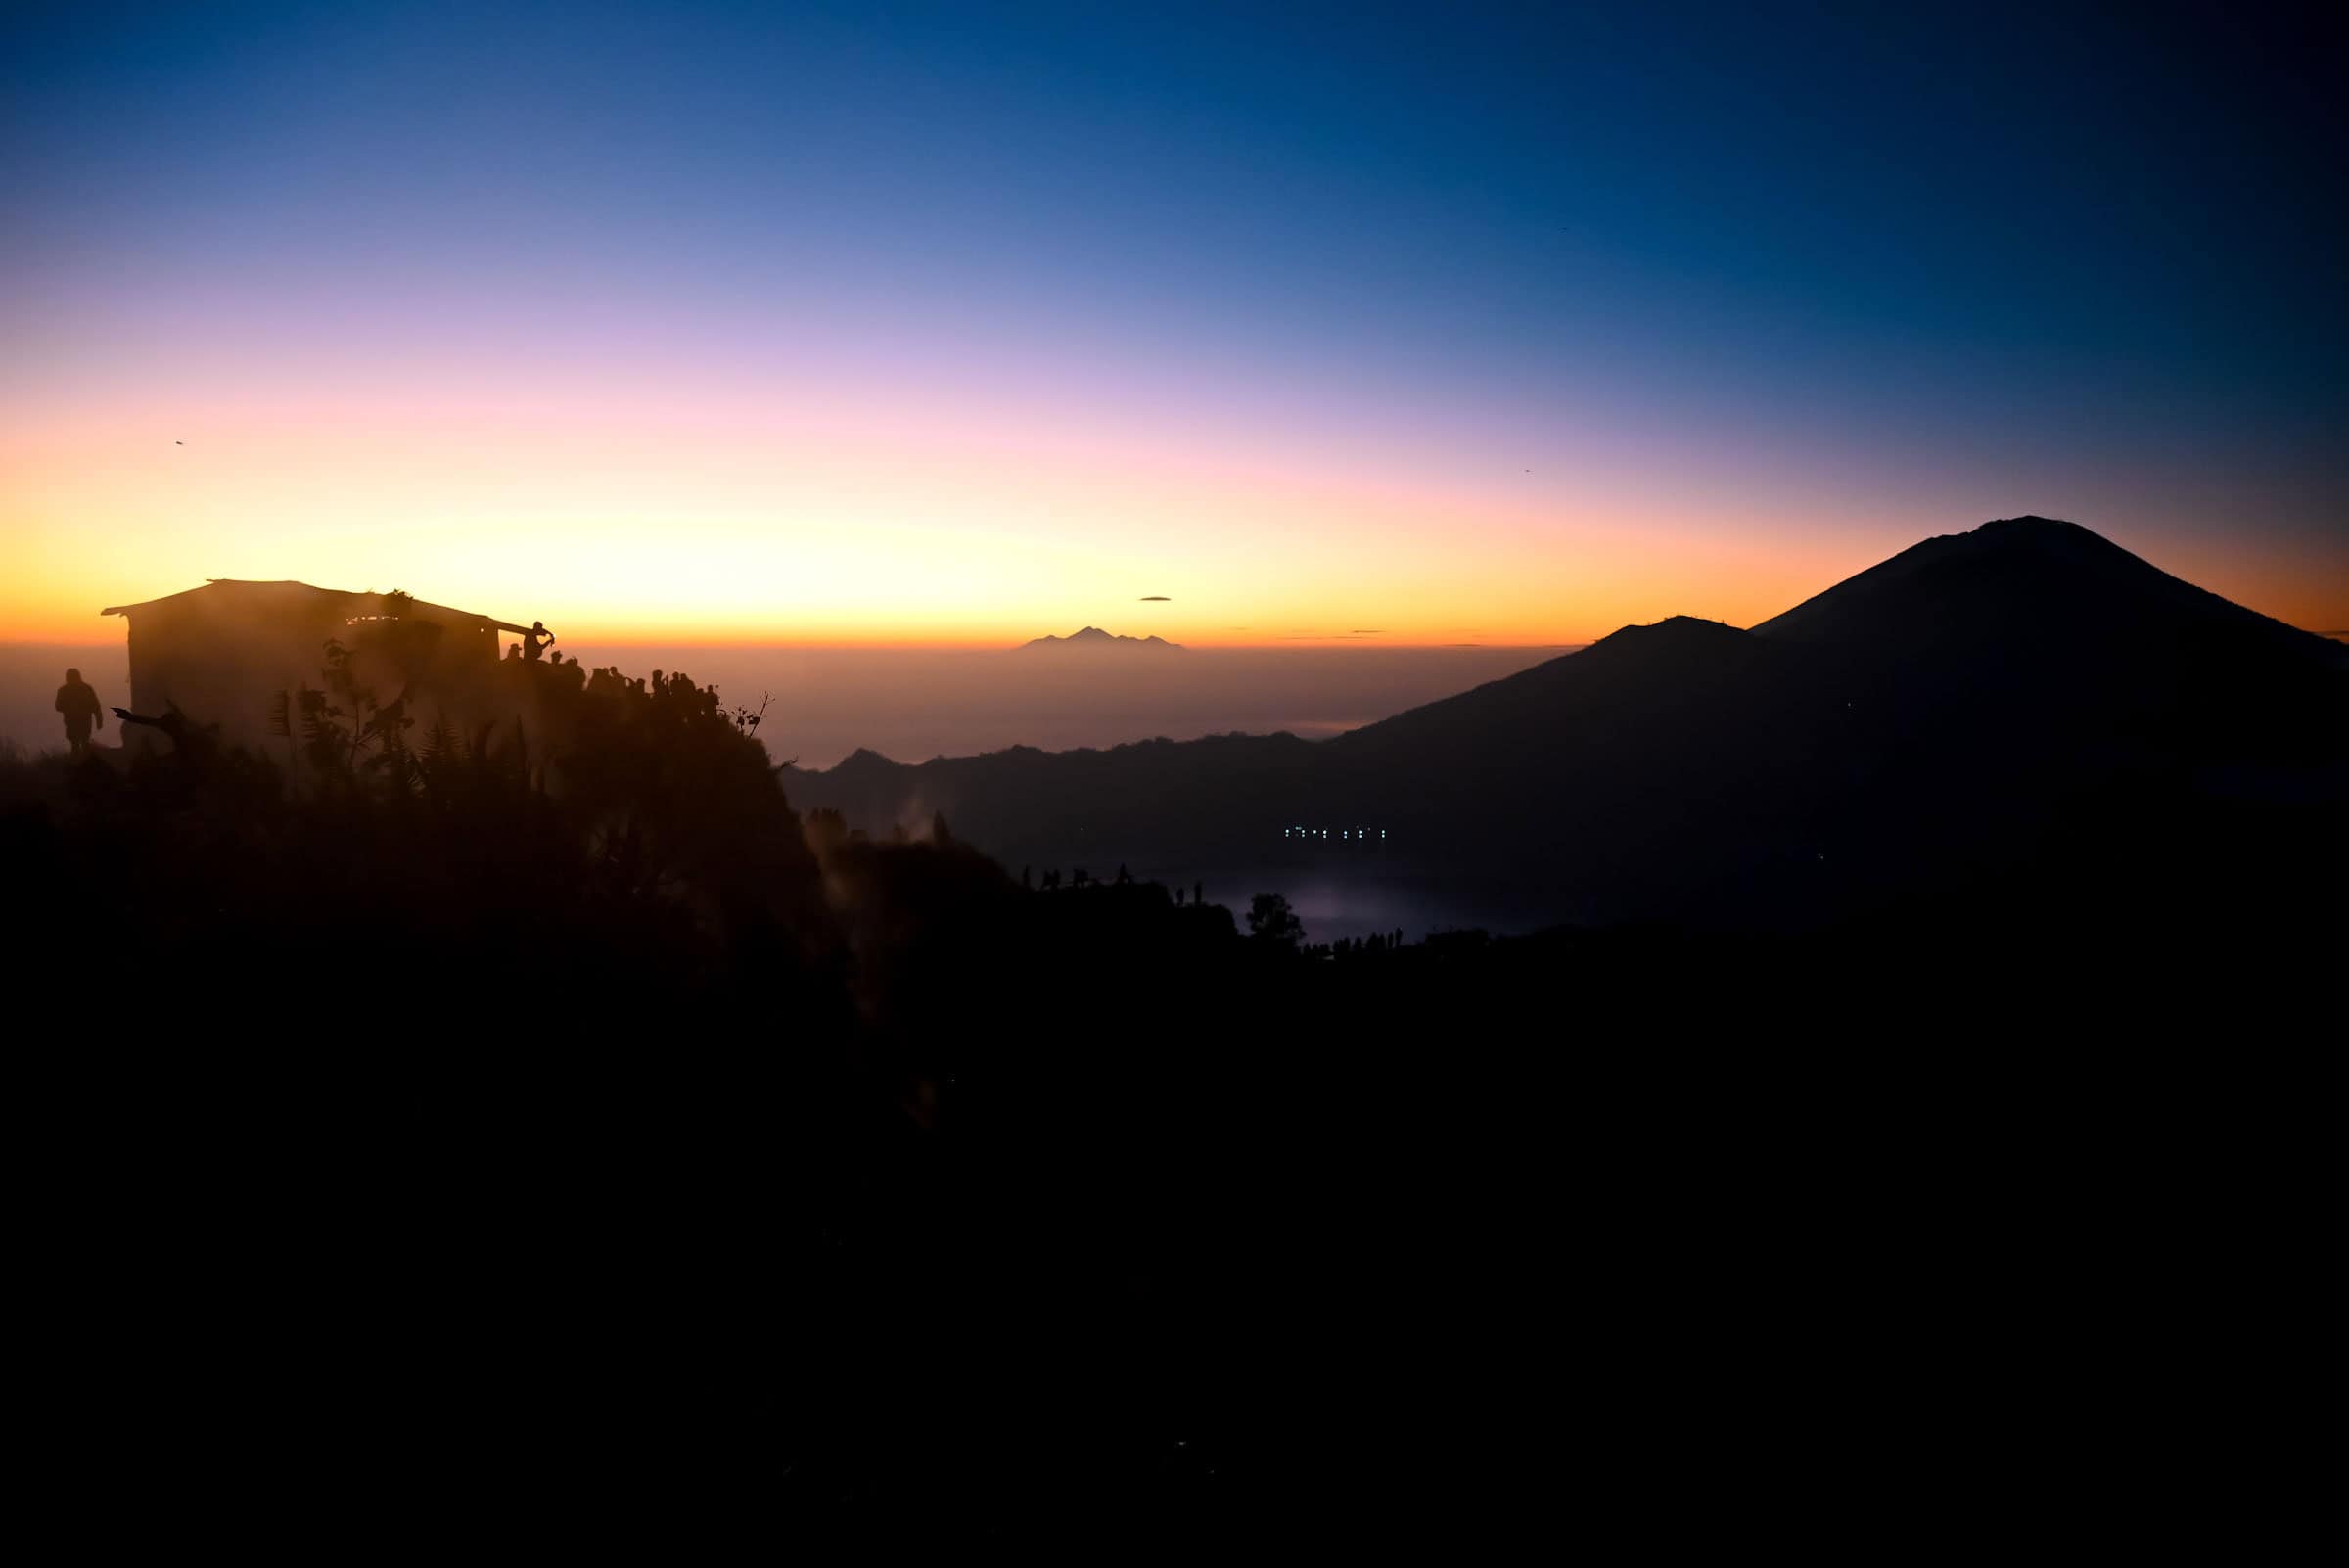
1673,629
1094,638
1672,633
2026,592
2030,523
2001,577
2032,532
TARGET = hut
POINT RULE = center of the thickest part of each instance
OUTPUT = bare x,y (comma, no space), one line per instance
225,653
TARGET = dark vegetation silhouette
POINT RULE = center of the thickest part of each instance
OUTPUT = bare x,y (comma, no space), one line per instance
573,1084
828,1089
1272,922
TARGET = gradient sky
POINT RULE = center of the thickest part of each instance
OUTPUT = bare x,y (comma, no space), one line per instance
870,323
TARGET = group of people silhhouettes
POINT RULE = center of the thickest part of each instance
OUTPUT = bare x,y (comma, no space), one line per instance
1051,882
533,645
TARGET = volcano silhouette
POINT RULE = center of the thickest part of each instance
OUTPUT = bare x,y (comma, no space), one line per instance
1092,639
1971,708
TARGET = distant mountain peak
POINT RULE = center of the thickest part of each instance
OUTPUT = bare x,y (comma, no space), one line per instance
1671,636
1093,637
1674,629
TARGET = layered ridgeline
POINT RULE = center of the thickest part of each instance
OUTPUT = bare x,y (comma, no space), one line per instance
2023,700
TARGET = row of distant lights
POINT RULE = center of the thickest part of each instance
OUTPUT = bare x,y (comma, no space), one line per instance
1323,833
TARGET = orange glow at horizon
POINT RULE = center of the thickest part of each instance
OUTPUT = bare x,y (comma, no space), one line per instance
855,520
744,326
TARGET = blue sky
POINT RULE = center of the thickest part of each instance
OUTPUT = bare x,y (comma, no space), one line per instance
1883,262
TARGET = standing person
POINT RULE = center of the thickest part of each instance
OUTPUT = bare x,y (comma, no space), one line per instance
79,702
534,642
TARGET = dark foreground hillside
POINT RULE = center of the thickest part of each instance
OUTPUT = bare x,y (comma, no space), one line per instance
648,1149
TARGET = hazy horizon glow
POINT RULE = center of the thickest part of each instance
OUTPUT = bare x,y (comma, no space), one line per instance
738,325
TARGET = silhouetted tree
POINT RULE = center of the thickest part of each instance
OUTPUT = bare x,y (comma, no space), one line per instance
1272,922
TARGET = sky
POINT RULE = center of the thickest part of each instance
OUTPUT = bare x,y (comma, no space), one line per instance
903,325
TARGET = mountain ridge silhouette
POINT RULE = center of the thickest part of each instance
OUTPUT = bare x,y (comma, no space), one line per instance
2028,559
1094,638
1929,721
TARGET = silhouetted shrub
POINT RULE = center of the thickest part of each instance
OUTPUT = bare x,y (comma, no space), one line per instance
1273,923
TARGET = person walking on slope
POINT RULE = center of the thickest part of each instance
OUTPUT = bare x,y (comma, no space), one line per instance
77,700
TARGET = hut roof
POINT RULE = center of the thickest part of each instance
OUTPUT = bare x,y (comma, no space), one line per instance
281,594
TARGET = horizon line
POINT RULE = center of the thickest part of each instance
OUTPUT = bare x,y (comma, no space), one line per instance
1279,645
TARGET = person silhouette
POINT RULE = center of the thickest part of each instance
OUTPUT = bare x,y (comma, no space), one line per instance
78,700
536,640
